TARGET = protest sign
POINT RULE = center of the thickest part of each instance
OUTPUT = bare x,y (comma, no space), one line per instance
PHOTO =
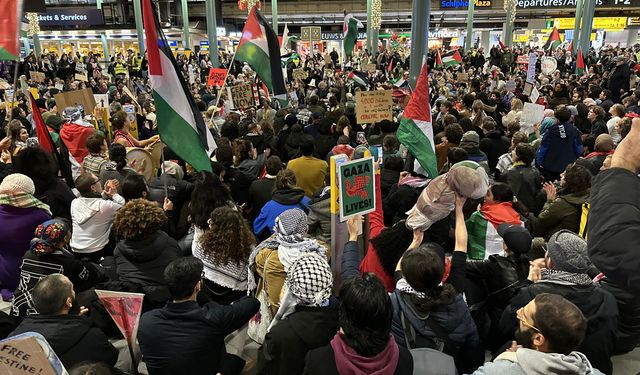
531,69
548,65
528,87
463,77
29,353
37,76
531,114
59,86
102,100
81,77
373,106
74,98
35,92
329,73
522,59
356,188
511,85
299,73
130,109
241,95
217,76
371,68
534,95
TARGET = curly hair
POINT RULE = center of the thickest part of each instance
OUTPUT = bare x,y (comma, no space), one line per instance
229,237
138,218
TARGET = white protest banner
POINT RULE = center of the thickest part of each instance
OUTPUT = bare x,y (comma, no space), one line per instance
81,77
534,95
531,114
102,100
548,65
38,77
373,106
531,69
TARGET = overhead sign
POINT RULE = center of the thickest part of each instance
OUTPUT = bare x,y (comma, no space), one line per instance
446,4
634,21
612,23
71,17
313,33
356,188
334,36
526,4
373,106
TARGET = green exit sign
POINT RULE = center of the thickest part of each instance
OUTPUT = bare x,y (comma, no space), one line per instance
549,24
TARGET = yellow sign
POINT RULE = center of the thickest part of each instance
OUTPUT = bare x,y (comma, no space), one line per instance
609,23
521,38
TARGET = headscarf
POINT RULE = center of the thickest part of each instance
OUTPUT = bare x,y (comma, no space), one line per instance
48,236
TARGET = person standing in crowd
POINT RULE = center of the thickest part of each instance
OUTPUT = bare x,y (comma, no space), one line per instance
560,146
309,171
183,337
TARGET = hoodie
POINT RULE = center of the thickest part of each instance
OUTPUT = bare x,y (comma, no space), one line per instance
71,337
494,145
561,145
281,200
532,362
92,220
471,144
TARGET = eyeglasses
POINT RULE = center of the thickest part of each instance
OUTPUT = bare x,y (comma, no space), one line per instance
521,317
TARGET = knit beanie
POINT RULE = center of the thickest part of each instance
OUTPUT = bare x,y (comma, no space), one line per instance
568,252
604,143
471,137
173,168
310,279
17,183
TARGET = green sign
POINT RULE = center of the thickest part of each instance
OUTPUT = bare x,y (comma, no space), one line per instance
357,191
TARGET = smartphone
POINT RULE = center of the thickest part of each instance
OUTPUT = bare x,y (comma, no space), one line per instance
380,155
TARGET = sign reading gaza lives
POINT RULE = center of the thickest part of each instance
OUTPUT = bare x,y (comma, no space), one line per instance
357,193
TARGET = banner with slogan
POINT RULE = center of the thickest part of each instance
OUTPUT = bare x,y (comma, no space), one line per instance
241,96
373,106
299,73
29,353
217,76
531,69
522,59
125,310
356,188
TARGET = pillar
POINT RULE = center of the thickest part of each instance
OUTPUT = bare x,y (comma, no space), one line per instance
27,46
485,40
185,26
274,16
137,12
37,46
632,37
212,32
508,28
105,48
468,40
419,37
369,26
576,27
587,25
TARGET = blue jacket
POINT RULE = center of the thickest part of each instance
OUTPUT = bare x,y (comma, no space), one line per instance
281,201
561,145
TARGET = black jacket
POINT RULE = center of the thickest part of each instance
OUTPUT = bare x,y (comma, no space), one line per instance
287,344
526,183
619,80
388,178
598,306
614,227
499,277
72,338
260,193
494,145
140,265
184,338
59,198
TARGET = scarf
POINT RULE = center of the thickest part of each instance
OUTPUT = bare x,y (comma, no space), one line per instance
48,236
348,362
23,200
414,181
563,277
499,213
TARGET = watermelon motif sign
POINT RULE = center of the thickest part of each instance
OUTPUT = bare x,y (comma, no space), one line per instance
357,191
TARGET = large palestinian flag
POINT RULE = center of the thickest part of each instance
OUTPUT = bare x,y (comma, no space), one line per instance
10,19
482,227
350,33
259,47
580,66
416,131
554,40
180,123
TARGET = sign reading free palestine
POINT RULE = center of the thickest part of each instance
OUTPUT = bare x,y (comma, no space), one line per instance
356,188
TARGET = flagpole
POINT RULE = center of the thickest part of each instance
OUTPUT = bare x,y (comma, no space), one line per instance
166,187
15,88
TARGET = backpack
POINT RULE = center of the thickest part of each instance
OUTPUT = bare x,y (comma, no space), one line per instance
428,361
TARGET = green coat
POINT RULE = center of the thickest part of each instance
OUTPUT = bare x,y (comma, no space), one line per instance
563,213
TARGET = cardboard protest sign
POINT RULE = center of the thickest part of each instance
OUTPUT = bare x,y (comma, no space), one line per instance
522,59
241,95
531,114
4,85
59,86
29,353
371,68
463,77
81,77
74,98
102,100
373,106
37,76
356,188
548,65
299,73
217,76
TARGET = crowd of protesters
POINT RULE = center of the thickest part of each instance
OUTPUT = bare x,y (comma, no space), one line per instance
539,276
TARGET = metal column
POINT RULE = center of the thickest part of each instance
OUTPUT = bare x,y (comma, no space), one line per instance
137,12
369,26
185,26
508,29
37,46
468,41
587,25
419,37
274,16
212,32
576,27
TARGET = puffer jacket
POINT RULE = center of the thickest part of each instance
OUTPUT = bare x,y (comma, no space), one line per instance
563,213
140,266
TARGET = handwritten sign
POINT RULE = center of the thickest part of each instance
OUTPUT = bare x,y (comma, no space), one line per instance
81,77
241,95
373,106
371,68
357,193
29,353
548,65
299,73
463,77
38,77
217,76
522,59
531,114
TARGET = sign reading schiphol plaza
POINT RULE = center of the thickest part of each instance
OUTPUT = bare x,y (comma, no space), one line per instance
464,3
71,17
572,3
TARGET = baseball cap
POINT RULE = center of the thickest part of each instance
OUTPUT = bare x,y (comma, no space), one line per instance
516,237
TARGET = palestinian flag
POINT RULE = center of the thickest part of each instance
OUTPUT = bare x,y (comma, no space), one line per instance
415,131
350,31
451,58
502,45
260,49
10,19
438,60
570,46
180,123
284,43
580,66
554,40
482,227
359,78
